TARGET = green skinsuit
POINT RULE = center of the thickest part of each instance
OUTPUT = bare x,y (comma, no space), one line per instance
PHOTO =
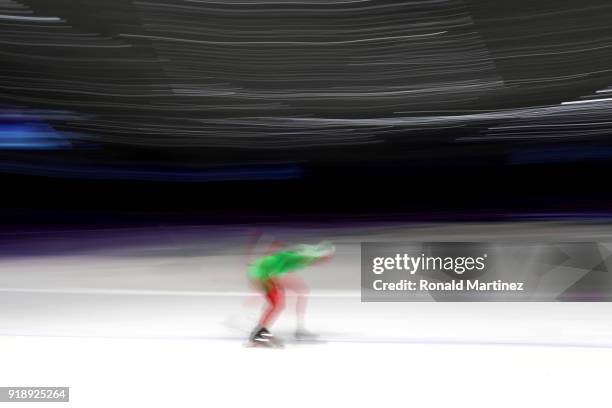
278,264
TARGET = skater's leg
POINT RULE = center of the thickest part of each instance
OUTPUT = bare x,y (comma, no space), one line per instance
274,294
276,302
296,284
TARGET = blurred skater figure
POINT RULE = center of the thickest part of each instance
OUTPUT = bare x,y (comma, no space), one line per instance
272,275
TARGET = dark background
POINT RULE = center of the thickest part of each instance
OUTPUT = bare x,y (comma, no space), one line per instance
135,132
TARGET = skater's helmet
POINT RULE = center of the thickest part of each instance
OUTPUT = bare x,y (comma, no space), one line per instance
322,249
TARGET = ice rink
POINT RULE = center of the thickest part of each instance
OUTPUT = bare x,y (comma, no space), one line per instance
158,316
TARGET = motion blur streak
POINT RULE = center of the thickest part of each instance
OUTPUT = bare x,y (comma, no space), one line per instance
266,75
293,76
30,136
177,83
144,174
